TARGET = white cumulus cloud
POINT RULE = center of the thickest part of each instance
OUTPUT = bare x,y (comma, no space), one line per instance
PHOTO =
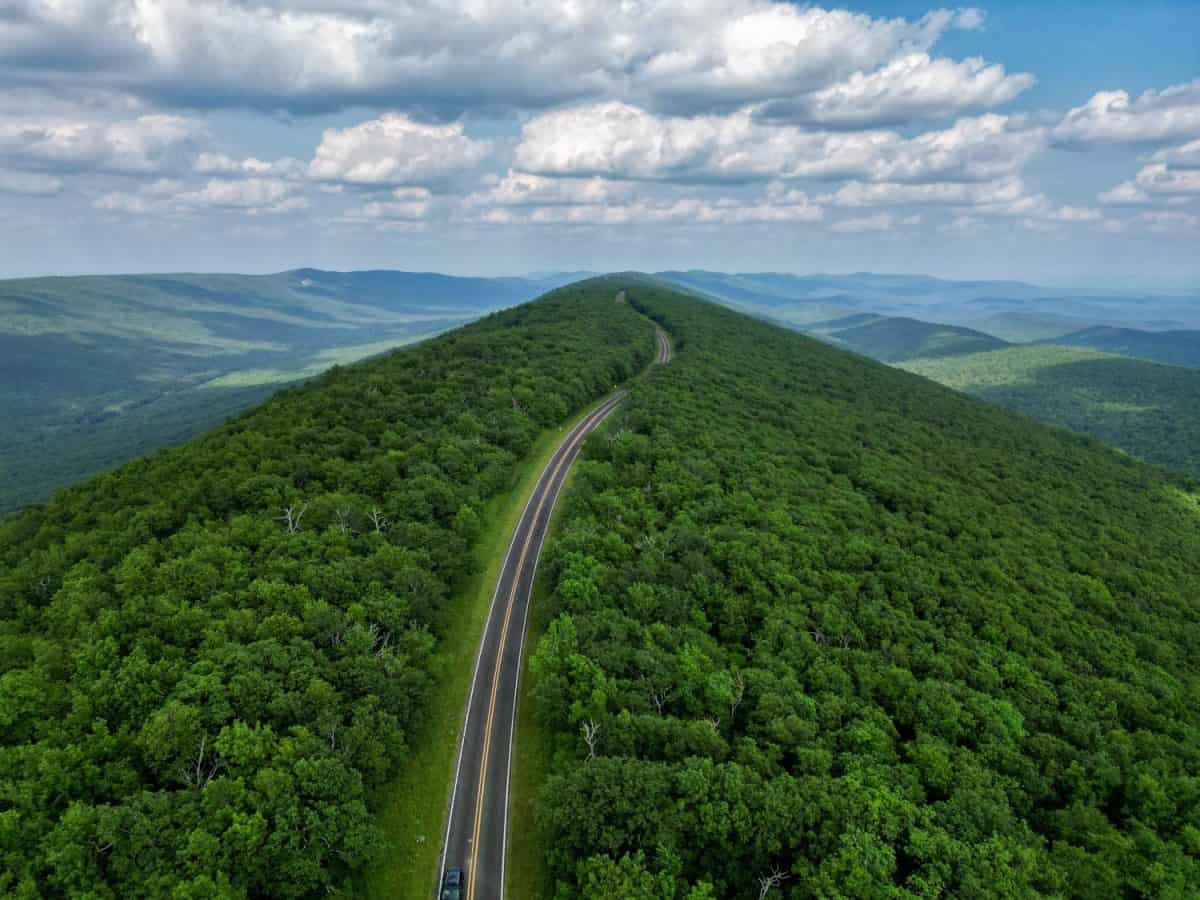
133,146
1171,176
1184,157
617,140
446,57
395,150
906,89
1161,178
255,195
1112,117
524,189
777,204
954,193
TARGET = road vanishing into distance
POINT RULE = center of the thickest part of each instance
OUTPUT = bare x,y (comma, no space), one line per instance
477,825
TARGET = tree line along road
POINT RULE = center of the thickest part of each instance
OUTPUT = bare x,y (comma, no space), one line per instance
477,823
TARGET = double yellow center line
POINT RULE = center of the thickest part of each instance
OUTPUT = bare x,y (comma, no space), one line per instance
584,429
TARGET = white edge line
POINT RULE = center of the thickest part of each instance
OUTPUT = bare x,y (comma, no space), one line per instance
512,729
462,734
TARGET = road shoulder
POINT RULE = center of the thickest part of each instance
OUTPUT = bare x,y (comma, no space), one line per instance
413,810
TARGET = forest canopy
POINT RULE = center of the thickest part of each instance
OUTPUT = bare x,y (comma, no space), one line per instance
821,628
211,659
817,628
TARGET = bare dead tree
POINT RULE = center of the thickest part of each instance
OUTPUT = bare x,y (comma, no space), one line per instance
591,734
659,696
342,523
739,692
770,881
380,639
714,722
291,517
203,767
846,640
378,519
818,635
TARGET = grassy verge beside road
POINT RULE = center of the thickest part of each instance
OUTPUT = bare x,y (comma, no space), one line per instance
413,811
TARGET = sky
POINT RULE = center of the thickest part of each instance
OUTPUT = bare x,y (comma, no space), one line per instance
1051,142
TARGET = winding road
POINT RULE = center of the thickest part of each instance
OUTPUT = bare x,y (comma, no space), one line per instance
477,825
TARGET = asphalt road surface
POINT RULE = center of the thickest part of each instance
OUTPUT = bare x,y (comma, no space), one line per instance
664,347
477,825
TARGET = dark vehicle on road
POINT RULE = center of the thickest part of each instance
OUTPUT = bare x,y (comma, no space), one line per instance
452,885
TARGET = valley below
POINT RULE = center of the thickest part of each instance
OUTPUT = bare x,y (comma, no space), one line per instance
100,369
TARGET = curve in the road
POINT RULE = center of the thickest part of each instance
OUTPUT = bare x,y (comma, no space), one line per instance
477,824
664,347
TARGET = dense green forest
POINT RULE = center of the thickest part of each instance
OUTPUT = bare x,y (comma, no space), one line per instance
1147,409
821,628
211,659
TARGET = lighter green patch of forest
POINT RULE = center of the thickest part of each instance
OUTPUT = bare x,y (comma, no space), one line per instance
313,365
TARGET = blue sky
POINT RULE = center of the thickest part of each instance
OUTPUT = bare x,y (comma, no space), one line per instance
1055,142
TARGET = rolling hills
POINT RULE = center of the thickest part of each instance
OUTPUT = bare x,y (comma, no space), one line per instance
1176,348
1021,327
1147,409
1009,310
894,338
98,369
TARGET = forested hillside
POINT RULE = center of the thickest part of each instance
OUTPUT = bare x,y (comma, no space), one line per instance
825,628
1149,410
100,369
211,659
